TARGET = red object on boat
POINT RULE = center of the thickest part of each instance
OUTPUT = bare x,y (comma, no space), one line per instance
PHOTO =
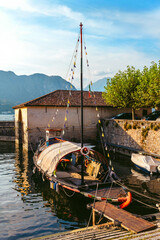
127,202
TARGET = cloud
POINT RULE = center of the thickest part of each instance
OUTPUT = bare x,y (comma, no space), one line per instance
123,25
46,9
17,5
40,36
102,22
34,48
113,59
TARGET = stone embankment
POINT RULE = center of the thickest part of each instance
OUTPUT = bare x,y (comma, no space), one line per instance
129,135
7,131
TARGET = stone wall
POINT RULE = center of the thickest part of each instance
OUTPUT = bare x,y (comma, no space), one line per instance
140,135
31,122
7,131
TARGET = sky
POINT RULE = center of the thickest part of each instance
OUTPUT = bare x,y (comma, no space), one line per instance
39,36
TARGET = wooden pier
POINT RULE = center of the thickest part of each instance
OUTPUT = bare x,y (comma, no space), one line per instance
102,233
128,227
124,218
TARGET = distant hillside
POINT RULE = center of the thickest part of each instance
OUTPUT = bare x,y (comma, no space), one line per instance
98,85
18,89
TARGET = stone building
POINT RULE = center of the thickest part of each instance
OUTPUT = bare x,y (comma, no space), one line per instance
61,109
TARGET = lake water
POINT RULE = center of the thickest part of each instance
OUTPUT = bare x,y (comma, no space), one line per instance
30,209
6,117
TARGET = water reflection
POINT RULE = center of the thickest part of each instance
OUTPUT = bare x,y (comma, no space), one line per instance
145,188
30,185
29,208
23,171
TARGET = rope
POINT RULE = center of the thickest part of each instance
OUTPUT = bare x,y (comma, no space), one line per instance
61,92
68,194
148,205
31,148
150,198
71,77
92,209
132,190
100,218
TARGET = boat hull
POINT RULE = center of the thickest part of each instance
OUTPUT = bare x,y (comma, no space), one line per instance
98,180
145,163
110,192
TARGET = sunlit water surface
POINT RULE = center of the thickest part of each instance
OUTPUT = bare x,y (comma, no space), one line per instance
28,208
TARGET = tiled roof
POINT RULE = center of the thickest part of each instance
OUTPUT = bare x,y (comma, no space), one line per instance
60,98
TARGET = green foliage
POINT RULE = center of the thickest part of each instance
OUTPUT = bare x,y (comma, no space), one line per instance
127,126
135,125
120,90
149,87
156,127
134,88
145,132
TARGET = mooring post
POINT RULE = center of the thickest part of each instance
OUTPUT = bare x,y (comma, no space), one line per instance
93,216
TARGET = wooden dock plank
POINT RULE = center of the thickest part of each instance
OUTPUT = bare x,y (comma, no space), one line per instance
128,221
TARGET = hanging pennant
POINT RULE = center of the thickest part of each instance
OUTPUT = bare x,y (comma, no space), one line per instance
89,91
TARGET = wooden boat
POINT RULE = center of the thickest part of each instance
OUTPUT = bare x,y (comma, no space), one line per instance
77,168
146,163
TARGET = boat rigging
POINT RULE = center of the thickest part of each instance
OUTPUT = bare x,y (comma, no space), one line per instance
78,168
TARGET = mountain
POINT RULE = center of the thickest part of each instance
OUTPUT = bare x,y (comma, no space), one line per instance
18,89
98,85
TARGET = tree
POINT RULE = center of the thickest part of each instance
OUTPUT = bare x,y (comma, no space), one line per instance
154,85
122,88
149,86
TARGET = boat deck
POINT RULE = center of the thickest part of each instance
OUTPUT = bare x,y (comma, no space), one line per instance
108,191
75,178
114,192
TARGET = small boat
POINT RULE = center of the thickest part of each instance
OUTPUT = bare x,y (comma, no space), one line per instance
60,162
146,163
78,169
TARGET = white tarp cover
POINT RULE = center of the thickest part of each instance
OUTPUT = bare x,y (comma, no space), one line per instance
49,158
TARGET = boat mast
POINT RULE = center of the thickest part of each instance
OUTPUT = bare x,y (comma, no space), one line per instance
81,77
